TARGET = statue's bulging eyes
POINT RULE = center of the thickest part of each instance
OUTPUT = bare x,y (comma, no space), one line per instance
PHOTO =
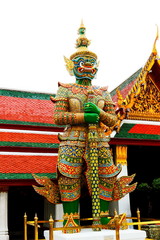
81,63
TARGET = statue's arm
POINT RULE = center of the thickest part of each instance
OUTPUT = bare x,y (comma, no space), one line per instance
107,115
62,116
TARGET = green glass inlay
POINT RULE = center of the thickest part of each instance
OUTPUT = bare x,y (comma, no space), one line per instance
124,133
30,123
8,176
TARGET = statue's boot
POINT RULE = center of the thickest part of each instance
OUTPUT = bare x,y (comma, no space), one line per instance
71,216
106,221
104,207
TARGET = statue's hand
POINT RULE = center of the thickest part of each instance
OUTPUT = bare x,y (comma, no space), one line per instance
91,117
91,108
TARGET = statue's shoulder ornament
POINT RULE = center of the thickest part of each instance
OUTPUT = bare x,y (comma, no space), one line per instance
99,90
82,89
62,94
65,85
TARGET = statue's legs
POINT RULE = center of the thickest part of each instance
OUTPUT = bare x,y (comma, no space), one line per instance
71,207
104,207
70,193
70,168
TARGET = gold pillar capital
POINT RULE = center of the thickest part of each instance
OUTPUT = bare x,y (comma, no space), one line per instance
121,155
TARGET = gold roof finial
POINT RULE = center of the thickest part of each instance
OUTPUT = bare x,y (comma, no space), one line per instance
154,45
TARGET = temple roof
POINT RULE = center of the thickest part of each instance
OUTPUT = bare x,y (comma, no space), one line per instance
28,139
139,131
125,86
21,166
26,108
28,136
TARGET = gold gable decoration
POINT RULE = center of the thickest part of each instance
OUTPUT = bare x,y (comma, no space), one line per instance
146,105
141,80
143,100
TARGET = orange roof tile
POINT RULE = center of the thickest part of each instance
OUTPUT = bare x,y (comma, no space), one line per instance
145,129
26,110
27,164
28,137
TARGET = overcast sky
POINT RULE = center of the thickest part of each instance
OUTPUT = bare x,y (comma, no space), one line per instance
36,34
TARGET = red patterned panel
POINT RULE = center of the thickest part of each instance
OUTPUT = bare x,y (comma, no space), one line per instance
27,164
145,129
26,109
28,137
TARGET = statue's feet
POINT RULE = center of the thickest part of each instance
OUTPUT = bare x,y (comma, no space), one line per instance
71,223
105,222
105,219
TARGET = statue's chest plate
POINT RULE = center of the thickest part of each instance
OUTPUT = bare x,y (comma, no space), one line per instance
77,101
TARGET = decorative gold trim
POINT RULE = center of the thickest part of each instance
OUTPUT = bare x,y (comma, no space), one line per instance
141,78
83,53
121,155
69,65
144,116
79,118
74,216
104,214
147,104
71,223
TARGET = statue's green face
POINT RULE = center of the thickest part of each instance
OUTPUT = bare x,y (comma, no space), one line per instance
85,67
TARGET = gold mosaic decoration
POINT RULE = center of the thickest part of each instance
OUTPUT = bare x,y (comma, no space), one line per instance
147,103
121,155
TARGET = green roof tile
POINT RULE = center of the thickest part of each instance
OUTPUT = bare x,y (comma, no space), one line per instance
124,133
23,176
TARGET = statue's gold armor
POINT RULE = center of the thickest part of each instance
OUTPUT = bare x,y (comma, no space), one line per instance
70,100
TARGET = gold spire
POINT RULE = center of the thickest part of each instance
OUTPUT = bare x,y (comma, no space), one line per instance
82,44
154,45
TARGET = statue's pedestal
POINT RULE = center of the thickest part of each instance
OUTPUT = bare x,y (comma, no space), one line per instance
88,234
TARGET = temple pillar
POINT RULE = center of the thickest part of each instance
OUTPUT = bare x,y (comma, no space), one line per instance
4,213
121,158
58,214
123,205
